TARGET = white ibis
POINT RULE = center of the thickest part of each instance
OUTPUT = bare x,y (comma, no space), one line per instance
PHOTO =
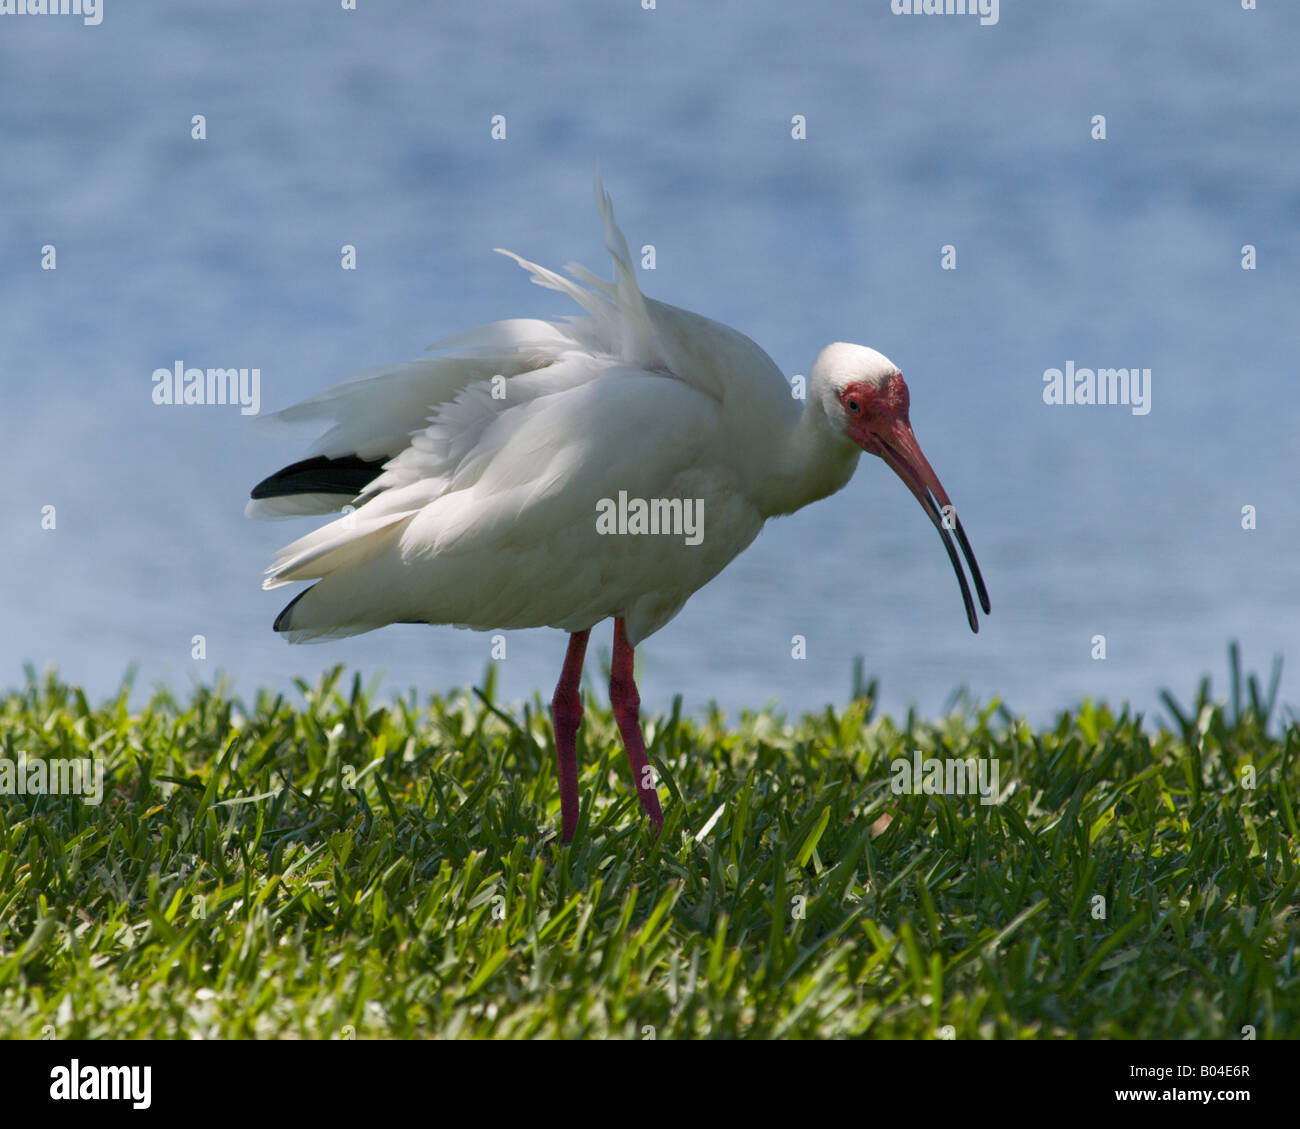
544,474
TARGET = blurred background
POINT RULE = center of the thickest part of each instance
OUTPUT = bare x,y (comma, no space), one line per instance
328,127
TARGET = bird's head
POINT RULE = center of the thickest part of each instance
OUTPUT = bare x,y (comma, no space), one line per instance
866,400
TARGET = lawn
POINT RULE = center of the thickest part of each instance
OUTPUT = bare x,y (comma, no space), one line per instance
329,865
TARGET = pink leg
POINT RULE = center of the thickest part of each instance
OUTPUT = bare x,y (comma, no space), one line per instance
566,715
627,706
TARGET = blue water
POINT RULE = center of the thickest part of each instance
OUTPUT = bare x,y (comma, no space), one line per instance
371,128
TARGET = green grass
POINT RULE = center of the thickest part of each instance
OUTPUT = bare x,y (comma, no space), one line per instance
344,868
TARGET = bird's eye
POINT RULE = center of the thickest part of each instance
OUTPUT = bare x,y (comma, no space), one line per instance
853,407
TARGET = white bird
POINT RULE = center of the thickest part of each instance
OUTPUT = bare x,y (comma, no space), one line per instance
512,482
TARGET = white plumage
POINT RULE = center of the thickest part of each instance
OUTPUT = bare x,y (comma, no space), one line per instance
476,478
485,513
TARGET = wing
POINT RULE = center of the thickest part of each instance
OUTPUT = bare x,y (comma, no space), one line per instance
372,415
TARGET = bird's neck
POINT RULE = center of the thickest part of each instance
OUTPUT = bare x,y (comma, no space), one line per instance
808,462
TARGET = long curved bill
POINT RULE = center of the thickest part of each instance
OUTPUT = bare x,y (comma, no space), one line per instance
902,452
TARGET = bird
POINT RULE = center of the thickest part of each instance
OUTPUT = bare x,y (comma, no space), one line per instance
560,473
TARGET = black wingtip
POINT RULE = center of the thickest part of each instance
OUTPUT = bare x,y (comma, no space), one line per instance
282,620
348,475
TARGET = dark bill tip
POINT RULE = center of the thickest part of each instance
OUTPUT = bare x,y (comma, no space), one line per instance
924,495
936,516
969,554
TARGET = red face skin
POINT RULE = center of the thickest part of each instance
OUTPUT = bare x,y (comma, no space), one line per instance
878,423
872,411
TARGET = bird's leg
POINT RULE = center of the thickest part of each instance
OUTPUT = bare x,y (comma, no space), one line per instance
627,705
566,716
